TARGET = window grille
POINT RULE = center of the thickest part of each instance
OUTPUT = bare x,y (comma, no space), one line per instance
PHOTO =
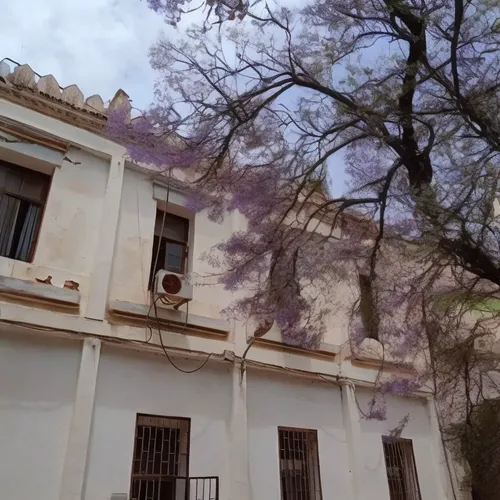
401,469
299,464
203,488
161,455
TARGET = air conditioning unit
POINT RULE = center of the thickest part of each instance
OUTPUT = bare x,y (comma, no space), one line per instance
173,286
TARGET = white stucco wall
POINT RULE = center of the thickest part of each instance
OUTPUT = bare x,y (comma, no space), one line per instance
418,430
131,383
37,390
134,248
72,214
134,243
67,239
291,403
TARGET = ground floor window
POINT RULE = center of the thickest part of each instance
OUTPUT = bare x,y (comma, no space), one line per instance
401,469
299,464
161,458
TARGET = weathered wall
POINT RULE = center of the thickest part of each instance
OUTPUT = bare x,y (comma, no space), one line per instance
418,430
38,379
130,383
292,403
134,248
37,391
72,214
68,235
134,244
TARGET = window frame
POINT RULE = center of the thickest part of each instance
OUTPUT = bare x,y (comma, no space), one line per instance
181,421
160,239
41,203
367,308
312,464
409,472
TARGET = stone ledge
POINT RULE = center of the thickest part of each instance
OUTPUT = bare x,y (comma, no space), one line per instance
371,354
40,291
323,350
192,322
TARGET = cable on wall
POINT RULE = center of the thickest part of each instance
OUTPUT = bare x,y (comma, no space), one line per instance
155,300
157,255
165,350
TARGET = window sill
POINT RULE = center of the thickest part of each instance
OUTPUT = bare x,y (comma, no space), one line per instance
370,353
40,291
324,350
193,323
369,350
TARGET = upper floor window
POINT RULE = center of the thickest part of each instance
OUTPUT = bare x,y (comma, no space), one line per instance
401,469
367,306
299,464
170,244
23,193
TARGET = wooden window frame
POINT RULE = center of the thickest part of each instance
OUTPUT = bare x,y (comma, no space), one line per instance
41,203
312,466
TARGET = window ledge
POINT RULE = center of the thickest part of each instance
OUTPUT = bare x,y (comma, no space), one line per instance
369,350
323,350
370,353
178,318
41,291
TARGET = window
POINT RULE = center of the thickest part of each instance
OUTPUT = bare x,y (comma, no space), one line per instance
367,306
170,246
161,457
401,470
22,199
299,464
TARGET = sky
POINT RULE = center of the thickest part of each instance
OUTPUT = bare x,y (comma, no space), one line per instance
100,45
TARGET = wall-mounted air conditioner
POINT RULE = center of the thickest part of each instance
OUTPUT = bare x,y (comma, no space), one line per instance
173,286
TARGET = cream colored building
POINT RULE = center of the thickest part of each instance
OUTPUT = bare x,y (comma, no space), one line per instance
91,407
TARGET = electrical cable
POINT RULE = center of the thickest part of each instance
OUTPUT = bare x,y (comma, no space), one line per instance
167,302
162,228
147,320
157,255
166,352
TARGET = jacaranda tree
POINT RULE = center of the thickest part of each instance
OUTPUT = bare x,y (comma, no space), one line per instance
268,107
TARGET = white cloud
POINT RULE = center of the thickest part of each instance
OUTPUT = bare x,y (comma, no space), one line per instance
101,45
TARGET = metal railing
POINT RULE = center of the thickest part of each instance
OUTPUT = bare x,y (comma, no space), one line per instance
177,488
203,488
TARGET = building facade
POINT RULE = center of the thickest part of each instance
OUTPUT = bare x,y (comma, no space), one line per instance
105,395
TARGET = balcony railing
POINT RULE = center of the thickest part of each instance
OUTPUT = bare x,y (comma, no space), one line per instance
203,488
175,488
